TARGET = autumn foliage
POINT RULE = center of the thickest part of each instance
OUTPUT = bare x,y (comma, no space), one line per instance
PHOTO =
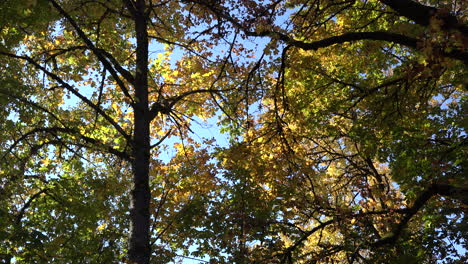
345,124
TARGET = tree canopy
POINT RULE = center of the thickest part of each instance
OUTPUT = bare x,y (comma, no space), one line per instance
346,122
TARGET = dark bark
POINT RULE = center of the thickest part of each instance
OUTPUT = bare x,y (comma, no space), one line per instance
20,215
417,12
357,36
113,66
457,193
422,14
139,242
354,36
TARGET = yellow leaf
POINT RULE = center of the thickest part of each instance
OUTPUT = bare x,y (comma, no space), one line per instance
45,162
101,227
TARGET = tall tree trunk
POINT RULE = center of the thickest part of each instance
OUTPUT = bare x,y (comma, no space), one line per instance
139,241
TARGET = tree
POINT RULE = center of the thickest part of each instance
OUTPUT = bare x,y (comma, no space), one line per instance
358,150
86,108
357,147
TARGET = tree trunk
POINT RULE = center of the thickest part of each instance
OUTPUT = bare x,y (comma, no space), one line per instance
139,242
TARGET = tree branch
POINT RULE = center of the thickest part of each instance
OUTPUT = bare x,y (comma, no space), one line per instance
348,37
422,14
459,193
26,101
353,36
357,36
92,141
306,235
27,205
166,106
72,90
101,55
